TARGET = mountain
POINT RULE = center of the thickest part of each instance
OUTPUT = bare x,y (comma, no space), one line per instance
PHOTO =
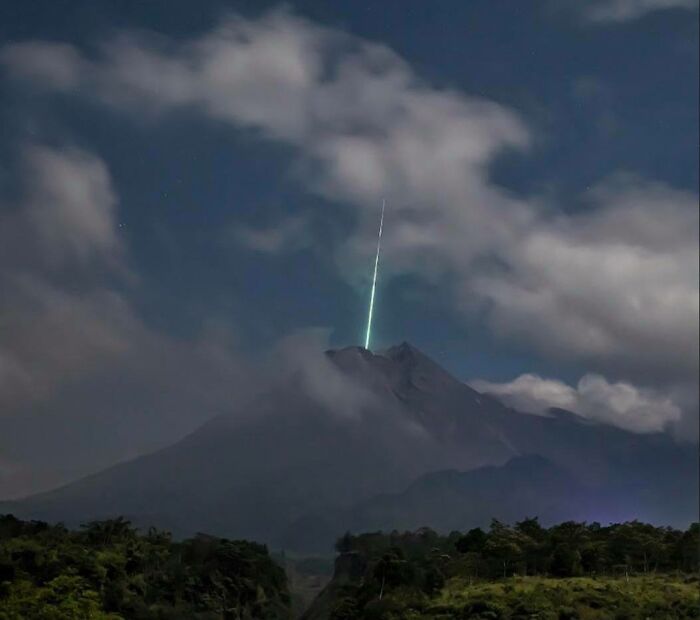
356,439
447,500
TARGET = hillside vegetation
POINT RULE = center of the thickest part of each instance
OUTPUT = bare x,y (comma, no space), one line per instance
569,571
108,571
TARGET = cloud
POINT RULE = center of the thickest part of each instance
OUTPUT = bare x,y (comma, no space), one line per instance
614,285
67,215
608,279
602,11
57,66
289,234
300,356
75,356
71,204
364,125
54,335
55,325
594,398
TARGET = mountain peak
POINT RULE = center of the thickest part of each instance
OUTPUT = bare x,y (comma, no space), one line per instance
404,348
403,352
395,352
402,364
352,353
355,349
413,362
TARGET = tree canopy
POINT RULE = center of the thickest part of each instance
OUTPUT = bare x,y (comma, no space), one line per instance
569,570
109,570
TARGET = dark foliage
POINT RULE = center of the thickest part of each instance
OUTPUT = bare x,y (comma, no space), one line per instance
520,571
108,570
566,550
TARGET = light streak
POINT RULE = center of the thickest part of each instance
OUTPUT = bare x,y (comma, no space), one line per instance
374,278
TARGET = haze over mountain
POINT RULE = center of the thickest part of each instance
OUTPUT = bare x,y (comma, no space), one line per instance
357,439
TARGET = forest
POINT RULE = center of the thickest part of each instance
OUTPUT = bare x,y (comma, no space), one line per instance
108,570
570,570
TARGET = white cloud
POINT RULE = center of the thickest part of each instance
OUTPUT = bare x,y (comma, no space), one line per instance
594,398
626,10
616,284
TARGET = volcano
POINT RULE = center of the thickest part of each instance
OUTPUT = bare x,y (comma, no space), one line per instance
381,440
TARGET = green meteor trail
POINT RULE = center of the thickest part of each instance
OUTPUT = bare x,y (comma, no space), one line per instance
374,279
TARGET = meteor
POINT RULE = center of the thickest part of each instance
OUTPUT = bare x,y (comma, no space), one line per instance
374,278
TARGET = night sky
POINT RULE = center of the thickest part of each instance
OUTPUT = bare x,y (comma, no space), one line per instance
186,188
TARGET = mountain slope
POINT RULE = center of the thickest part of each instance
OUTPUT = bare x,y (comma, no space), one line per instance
331,442
450,500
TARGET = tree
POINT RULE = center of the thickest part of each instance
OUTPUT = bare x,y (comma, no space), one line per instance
689,549
109,570
534,544
639,545
346,608
474,541
344,543
393,570
505,545
566,561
